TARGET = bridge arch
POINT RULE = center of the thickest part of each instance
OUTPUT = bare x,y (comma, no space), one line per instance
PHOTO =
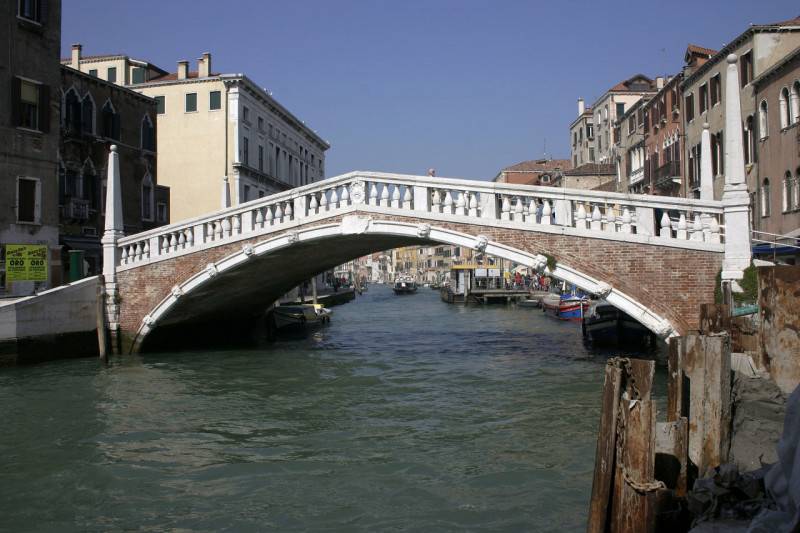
236,278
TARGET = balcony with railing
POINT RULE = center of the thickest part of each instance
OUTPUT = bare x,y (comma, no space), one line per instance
668,174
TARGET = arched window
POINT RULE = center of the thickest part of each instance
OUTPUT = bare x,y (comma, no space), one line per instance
795,102
749,141
147,197
788,192
783,102
110,121
148,134
89,184
72,112
763,130
765,200
87,114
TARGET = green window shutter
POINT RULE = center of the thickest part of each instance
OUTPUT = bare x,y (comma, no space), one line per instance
215,100
191,102
138,75
160,105
112,74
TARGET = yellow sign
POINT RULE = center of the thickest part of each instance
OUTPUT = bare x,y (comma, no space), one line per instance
26,262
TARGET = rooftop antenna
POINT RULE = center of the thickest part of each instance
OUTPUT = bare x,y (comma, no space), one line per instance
544,150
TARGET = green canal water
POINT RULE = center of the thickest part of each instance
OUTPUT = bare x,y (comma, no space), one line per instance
404,414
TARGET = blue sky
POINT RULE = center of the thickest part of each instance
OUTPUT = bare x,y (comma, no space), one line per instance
466,87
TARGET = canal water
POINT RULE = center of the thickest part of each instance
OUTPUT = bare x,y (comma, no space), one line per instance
404,414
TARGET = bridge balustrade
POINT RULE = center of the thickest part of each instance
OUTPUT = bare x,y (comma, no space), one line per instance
550,209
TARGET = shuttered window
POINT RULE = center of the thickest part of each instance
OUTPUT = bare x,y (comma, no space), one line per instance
30,105
27,201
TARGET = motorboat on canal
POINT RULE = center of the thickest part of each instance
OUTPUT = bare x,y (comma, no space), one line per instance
405,286
566,306
605,325
300,316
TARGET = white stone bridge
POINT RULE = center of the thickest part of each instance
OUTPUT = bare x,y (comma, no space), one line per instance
656,258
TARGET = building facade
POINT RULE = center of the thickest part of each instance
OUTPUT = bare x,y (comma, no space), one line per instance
94,115
776,209
663,138
534,172
220,135
581,133
612,105
589,176
758,48
630,149
29,81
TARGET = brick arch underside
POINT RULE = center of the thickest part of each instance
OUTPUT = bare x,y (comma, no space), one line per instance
672,282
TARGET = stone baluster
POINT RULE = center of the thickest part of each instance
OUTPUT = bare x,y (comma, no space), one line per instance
182,240
505,209
519,210
547,212
323,202
530,211
611,219
626,220
448,202
173,241
396,196
259,218
123,255
137,251
461,207
373,193
189,237
580,217
269,218
697,228
278,213
226,227
666,229
384,195
345,196
436,201
597,219
313,205
682,227
287,212
236,224
473,205
407,198
334,203
713,229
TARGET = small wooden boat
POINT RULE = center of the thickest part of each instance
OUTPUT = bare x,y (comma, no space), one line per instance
529,302
405,286
299,316
565,306
605,325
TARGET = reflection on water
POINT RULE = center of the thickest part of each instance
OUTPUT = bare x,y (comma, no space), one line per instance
404,414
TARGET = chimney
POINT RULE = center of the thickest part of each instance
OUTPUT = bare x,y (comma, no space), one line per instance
204,65
659,82
183,70
581,106
76,56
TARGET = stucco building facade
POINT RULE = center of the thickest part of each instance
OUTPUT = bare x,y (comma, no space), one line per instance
581,133
29,81
220,135
94,115
776,208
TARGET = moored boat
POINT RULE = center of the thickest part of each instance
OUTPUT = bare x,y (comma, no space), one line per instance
605,325
565,306
405,286
303,315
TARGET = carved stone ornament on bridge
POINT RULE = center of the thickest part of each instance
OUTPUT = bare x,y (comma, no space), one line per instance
248,250
357,192
424,231
481,241
355,225
211,270
177,292
148,320
539,262
663,329
603,289
293,237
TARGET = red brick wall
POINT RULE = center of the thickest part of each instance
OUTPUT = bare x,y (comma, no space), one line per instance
672,282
